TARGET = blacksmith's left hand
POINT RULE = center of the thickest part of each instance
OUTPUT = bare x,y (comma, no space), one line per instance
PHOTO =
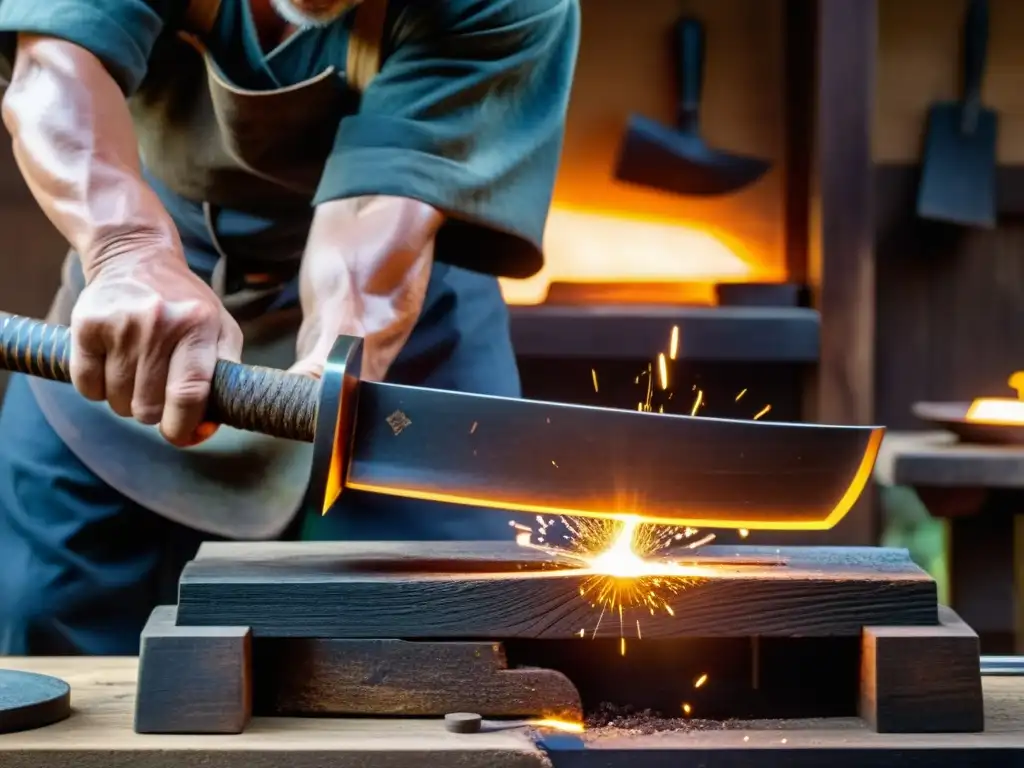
365,274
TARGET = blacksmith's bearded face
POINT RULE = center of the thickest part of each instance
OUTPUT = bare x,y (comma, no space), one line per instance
312,13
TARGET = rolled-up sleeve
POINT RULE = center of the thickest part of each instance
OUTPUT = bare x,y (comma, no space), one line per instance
468,115
120,33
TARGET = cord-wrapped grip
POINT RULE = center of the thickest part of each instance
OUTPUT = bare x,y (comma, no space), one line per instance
264,400
36,348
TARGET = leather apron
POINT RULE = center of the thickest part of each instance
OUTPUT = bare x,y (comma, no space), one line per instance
206,140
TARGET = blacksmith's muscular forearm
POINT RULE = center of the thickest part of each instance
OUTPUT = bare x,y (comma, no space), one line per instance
146,331
76,148
365,273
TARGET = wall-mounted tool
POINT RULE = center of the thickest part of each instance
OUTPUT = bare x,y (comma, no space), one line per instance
959,168
677,159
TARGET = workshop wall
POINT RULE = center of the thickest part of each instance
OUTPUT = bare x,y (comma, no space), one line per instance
950,301
601,229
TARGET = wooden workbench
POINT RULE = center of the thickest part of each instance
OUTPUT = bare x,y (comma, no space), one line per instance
979,491
99,735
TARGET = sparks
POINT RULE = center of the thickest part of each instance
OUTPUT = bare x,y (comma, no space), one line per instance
556,724
473,428
700,681
740,395
593,374
697,402
673,343
762,412
662,371
620,574
687,709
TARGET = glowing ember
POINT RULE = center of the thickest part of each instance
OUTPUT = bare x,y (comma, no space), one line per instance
555,724
996,410
1000,410
673,343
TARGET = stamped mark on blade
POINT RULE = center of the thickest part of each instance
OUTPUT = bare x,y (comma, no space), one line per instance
398,421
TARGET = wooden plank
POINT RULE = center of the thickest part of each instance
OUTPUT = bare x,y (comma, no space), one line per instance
304,676
99,735
936,460
325,590
193,679
902,688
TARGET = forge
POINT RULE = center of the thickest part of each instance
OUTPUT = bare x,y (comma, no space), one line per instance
508,632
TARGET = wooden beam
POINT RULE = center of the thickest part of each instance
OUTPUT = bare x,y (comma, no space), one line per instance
193,679
922,679
311,676
841,270
334,590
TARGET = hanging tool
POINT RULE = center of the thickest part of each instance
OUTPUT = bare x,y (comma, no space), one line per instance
677,159
958,174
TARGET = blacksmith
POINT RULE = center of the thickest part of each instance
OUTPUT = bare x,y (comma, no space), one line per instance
248,179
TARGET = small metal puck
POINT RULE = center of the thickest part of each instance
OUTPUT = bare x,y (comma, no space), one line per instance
462,722
29,700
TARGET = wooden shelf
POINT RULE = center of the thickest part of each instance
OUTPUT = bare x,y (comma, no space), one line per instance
719,334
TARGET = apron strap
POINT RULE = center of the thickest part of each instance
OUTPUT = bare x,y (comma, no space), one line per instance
365,43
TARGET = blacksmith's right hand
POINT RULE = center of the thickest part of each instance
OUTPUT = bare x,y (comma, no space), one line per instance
146,335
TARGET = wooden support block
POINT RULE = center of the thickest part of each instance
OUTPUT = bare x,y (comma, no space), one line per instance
922,679
412,679
193,679
499,591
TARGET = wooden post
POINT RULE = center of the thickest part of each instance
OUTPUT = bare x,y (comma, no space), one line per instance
830,216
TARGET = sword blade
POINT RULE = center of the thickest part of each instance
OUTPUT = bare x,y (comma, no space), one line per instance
560,459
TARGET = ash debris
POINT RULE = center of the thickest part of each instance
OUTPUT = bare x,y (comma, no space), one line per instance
641,722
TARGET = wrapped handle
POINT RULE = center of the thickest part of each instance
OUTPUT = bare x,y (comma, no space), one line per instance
256,399
689,53
975,52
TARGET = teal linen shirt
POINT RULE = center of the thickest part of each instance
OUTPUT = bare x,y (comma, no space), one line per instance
467,113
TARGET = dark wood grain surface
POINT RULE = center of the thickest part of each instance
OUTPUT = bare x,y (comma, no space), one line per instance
334,590
900,690
306,676
193,679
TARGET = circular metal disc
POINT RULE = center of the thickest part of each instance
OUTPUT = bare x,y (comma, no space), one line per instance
463,722
29,700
